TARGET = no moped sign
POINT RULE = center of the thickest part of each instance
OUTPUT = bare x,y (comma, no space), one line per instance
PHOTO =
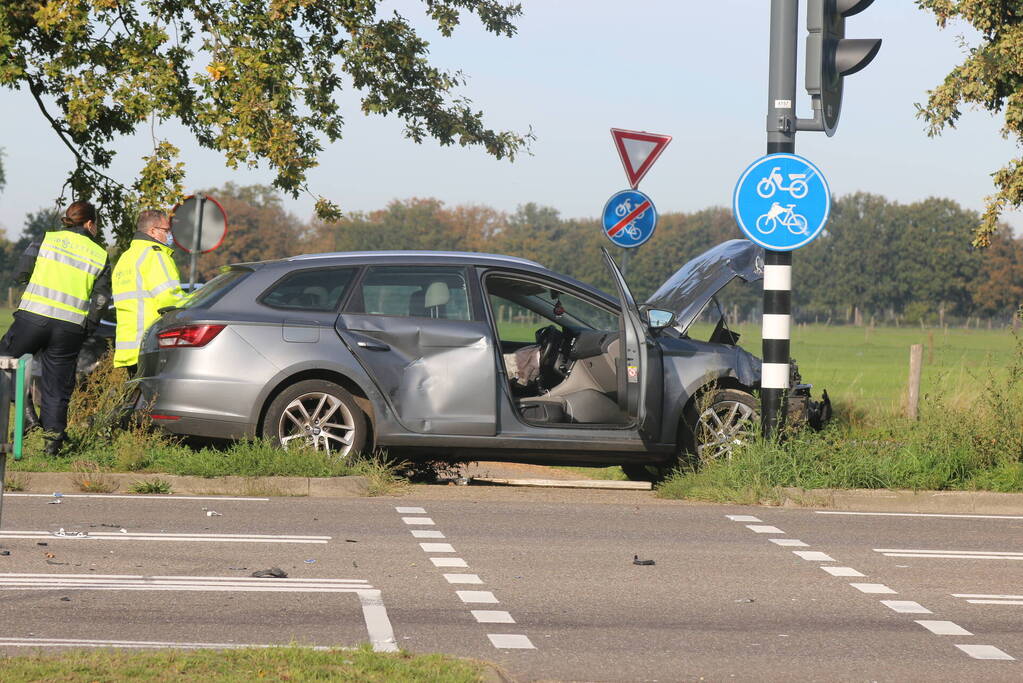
782,202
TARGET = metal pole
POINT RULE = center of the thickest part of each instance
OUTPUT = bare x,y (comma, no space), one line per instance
200,201
781,139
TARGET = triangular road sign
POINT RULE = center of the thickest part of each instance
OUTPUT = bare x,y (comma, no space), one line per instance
638,151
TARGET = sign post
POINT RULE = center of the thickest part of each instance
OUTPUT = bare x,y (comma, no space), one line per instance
199,225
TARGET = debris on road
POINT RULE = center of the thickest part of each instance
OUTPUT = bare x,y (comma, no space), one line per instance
272,573
310,561
746,600
5,553
54,562
70,534
58,498
43,543
65,599
238,569
645,563
350,540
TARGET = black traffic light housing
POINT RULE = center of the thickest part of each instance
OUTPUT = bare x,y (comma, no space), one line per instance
830,56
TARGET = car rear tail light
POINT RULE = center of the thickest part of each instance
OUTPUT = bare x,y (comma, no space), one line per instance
190,336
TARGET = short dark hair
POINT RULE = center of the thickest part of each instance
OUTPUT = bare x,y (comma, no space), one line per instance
150,218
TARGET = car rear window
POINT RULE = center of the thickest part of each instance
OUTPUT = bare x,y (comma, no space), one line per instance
314,289
216,288
415,292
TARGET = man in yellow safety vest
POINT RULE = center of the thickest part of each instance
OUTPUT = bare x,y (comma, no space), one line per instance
145,280
68,289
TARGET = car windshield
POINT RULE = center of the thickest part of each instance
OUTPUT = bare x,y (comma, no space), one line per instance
215,288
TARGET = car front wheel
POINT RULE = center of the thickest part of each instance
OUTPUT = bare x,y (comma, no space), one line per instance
719,421
319,414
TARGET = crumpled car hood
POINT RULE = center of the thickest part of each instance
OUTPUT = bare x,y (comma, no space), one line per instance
692,286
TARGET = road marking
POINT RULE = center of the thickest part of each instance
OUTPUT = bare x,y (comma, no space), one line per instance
877,588
143,536
982,599
789,542
842,571
906,607
743,518
487,616
463,578
813,555
423,521
477,596
448,562
426,533
915,514
410,511
985,652
943,628
995,602
764,529
378,626
437,547
145,644
510,641
131,496
951,554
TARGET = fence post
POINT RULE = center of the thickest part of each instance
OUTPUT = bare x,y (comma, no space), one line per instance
916,357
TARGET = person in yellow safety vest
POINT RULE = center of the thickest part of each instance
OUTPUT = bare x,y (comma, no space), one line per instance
145,280
68,289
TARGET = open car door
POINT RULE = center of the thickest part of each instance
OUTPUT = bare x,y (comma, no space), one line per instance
639,386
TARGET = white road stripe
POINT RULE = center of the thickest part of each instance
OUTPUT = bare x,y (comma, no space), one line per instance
764,529
423,521
842,571
487,616
477,596
743,518
141,644
813,555
914,514
506,641
995,602
410,511
949,552
985,595
448,562
906,606
183,579
943,628
985,652
950,556
131,496
426,533
168,537
877,588
381,634
789,542
437,547
463,578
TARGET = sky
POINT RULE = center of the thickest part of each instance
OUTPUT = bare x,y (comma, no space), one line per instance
577,68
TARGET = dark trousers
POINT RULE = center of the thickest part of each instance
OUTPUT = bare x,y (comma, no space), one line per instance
55,345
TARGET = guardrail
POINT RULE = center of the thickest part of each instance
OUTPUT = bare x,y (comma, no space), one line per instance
15,381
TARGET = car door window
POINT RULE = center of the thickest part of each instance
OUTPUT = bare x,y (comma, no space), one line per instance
439,293
315,289
521,307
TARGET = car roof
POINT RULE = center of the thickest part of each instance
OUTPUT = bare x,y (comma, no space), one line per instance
418,256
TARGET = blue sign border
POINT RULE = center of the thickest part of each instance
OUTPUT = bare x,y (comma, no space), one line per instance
749,233
652,209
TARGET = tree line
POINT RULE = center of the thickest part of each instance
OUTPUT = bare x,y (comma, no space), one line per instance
877,259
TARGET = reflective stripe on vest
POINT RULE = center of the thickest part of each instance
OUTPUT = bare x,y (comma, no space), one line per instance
65,270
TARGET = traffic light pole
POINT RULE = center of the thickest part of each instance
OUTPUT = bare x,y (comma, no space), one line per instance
781,139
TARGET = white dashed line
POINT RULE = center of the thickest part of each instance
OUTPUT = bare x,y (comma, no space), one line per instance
842,571
914,514
995,602
764,529
943,628
510,641
743,518
410,511
487,616
990,597
813,555
448,562
437,547
905,607
950,554
463,578
423,521
477,596
426,533
984,652
876,588
789,542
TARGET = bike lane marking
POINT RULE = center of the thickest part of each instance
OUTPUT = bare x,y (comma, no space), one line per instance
617,227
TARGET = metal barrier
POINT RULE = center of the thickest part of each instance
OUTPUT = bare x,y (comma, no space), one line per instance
15,381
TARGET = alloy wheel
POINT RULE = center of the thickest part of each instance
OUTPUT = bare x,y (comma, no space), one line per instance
723,426
320,420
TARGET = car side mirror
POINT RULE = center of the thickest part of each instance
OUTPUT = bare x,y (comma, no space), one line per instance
658,319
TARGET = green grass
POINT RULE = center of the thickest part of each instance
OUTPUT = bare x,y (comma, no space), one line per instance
272,664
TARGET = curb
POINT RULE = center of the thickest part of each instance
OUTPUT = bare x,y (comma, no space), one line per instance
115,482
920,502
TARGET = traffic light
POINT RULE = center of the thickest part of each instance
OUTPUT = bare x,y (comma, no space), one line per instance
830,56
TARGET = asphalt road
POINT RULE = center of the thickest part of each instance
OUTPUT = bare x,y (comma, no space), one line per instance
540,582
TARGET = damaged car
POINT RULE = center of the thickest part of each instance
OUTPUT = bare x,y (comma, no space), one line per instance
463,356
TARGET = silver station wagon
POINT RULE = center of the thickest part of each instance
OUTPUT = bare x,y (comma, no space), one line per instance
462,356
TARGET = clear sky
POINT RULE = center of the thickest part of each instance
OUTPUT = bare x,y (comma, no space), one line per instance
696,70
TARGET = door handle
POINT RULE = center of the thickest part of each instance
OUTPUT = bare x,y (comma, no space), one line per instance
373,346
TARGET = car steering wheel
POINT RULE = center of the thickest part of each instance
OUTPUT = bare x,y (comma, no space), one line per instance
550,340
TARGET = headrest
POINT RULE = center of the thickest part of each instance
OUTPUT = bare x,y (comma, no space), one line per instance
437,294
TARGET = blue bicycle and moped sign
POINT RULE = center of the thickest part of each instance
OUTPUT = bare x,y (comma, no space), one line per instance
629,218
782,202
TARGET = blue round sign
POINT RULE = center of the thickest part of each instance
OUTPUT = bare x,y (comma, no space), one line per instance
782,202
629,218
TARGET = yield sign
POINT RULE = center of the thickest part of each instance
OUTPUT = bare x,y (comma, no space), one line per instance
638,151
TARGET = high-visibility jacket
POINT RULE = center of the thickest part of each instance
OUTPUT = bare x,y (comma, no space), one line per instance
65,271
145,280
